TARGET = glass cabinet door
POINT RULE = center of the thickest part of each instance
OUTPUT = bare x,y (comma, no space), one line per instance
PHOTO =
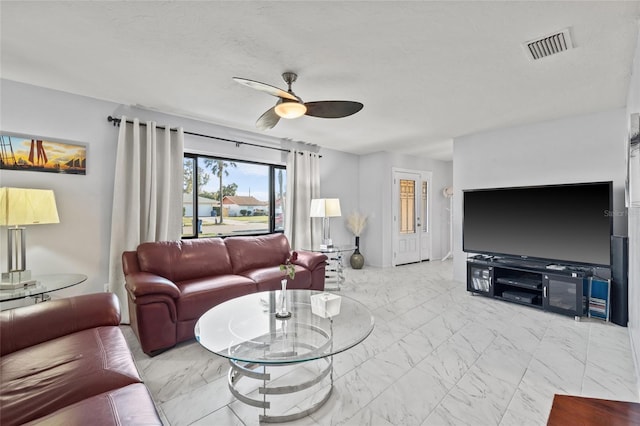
564,295
480,279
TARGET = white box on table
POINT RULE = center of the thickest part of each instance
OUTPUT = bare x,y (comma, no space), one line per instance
325,305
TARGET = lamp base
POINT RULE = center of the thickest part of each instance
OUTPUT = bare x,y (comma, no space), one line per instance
326,244
16,279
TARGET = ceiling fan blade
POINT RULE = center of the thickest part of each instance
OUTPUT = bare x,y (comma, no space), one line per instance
268,120
272,90
332,109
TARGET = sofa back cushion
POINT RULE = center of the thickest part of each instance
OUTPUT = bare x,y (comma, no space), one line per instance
248,253
185,260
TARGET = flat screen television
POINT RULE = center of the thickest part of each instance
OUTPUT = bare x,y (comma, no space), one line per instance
569,223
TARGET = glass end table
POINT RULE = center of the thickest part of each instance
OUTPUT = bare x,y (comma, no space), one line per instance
334,272
44,284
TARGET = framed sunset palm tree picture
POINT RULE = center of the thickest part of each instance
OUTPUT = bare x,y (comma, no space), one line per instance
32,153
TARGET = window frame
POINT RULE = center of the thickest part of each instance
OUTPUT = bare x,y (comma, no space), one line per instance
271,185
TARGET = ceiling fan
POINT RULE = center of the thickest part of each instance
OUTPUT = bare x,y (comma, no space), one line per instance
289,105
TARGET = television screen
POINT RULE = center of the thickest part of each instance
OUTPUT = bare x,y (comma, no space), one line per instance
561,223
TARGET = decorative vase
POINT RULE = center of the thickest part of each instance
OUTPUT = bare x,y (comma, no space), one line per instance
357,259
283,313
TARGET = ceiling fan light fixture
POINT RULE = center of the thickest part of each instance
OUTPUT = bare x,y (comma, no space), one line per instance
290,109
291,106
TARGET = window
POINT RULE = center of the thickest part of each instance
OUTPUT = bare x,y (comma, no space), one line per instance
223,197
425,206
407,206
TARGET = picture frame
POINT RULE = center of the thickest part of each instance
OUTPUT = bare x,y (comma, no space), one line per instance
21,152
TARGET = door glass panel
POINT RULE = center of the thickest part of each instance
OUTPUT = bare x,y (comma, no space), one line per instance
424,207
407,206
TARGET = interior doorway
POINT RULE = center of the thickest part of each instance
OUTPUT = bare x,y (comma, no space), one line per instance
411,216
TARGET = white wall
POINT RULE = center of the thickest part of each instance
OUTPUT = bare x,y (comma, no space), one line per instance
584,148
376,200
199,145
339,179
79,244
633,106
374,195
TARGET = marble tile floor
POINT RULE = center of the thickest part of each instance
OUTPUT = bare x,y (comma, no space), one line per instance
437,356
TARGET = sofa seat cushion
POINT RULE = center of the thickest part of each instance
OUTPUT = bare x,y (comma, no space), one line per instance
269,278
198,296
46,377
130,405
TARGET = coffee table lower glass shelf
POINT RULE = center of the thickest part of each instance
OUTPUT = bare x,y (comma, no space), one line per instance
262,347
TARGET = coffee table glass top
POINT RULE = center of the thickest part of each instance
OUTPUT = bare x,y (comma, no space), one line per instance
246,328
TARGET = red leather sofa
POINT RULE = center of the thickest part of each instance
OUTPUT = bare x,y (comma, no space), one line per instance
170,284
66,362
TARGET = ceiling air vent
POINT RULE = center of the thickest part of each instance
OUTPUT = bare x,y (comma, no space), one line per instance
549,45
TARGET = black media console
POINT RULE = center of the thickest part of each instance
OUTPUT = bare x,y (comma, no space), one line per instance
554,288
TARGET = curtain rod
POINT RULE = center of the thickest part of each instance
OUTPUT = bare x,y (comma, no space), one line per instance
116,122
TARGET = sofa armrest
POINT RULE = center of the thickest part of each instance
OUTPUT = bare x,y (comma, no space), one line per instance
310,260
130,262
144,283
30,325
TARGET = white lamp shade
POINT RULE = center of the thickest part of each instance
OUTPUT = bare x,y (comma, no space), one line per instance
325,207
290,109
23,206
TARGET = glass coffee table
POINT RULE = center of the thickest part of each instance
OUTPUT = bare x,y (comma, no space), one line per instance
246,331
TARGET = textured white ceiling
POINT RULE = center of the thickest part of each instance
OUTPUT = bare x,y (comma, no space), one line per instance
426,71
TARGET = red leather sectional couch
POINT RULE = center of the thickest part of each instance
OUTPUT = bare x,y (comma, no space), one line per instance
170,284
66,362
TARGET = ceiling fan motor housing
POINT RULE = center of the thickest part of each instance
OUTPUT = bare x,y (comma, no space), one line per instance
289,77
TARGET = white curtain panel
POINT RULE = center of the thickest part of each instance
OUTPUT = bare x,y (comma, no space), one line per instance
147,194
303,184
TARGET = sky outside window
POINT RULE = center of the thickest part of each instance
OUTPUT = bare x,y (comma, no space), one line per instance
252,179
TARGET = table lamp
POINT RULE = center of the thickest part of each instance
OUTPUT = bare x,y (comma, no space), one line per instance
19,207
325,208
